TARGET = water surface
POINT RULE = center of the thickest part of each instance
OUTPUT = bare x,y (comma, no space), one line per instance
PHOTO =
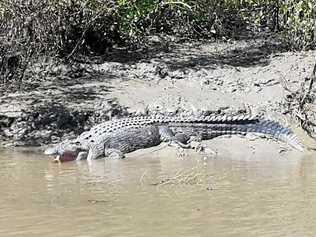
151,195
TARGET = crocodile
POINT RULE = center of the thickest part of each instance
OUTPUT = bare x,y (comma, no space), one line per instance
120,136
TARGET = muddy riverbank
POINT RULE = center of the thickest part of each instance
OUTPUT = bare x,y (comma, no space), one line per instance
231,77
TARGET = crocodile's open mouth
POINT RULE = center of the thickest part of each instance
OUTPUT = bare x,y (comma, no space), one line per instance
66,156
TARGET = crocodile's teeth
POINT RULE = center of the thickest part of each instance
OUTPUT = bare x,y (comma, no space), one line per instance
57,159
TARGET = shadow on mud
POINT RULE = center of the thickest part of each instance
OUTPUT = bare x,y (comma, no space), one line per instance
254,54
52,121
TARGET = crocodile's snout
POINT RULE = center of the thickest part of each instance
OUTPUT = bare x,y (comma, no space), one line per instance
51,151
66,151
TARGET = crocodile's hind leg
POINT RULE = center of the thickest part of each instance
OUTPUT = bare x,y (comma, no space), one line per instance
178,139
184,141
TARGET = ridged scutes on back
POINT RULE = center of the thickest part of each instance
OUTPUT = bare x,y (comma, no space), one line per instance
203,118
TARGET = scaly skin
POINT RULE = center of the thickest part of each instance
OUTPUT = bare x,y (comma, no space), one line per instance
120,136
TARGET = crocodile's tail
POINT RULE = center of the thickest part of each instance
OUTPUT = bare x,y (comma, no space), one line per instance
213,126
277,131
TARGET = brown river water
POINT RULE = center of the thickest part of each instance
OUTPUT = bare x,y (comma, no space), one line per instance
150,194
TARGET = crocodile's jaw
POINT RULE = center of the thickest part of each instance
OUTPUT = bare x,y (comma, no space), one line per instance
67,151
66,156
71,156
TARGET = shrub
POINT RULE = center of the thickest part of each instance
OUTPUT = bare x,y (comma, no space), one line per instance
66,28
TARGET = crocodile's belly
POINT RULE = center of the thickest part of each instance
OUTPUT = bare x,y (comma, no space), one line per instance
131,139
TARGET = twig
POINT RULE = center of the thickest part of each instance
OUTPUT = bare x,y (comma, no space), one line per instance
80,41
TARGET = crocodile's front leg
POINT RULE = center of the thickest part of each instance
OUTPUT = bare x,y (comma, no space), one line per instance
96,151
82,155
114,153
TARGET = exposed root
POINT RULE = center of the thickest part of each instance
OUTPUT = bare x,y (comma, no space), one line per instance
301,105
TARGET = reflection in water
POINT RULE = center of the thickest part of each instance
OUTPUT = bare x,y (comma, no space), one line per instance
157,196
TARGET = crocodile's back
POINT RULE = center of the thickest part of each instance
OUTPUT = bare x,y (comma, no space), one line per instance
141,121
100,132
204,126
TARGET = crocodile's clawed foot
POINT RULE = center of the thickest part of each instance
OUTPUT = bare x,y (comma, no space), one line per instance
180,147
197,146
114,154
57,159
208,153
180,152
82,155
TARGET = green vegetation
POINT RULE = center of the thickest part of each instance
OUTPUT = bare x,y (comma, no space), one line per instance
66,28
